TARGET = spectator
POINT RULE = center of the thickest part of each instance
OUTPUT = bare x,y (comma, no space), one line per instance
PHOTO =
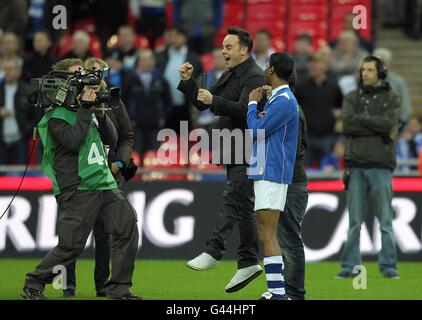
151,16
168,62
125,53
10,46
206,119
348,26
80,46
334,161
320,98
202,19
13,17
263,48
370,117
326,54
347,53
409,144
15,114
147,97
302,52
40,63
398,84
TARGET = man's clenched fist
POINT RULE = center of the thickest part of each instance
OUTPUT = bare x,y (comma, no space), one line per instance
185,71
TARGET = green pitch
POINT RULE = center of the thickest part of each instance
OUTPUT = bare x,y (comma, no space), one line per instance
155,279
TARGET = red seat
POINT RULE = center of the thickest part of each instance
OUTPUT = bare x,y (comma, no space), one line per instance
294,3
207,61
233,14
309,13
265,11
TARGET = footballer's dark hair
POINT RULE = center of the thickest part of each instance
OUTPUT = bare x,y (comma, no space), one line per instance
283,64
245,39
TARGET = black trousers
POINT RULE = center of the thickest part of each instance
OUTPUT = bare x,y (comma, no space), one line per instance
290,240
102,260
79,211
237,208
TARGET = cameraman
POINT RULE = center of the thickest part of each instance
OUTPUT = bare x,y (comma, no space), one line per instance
86,193
119,159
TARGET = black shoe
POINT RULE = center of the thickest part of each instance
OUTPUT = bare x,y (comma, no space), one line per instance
69,293
391,274
128,296
32,294
271,296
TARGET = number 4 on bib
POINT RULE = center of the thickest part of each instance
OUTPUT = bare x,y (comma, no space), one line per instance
94,156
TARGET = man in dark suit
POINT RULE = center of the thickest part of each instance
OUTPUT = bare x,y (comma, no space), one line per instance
228,99
15,114
168,62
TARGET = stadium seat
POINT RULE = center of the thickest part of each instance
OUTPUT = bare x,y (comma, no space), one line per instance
266,11
294,3
207,62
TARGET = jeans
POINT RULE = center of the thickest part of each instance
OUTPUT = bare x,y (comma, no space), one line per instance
290,240
377,185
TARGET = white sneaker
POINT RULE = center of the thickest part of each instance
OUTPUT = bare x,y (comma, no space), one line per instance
203,262
242,277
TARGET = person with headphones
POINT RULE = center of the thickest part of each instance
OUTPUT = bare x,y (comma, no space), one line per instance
370,122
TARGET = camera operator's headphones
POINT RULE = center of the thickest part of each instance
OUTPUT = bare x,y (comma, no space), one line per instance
380,65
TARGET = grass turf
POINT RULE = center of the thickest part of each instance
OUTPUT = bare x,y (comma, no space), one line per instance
172,280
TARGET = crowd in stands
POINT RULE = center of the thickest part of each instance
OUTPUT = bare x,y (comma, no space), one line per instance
144,53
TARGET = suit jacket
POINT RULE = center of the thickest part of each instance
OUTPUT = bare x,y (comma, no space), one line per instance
121,121
230,96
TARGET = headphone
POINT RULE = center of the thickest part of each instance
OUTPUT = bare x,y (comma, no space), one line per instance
381,68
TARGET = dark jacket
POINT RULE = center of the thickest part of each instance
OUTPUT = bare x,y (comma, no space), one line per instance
146,107
24,112
230,96
69,139
299,174
124,146
370,117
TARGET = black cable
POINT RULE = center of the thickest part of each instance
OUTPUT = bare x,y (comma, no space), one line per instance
34,137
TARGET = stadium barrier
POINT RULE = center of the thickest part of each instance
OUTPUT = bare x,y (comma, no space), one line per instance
175,219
